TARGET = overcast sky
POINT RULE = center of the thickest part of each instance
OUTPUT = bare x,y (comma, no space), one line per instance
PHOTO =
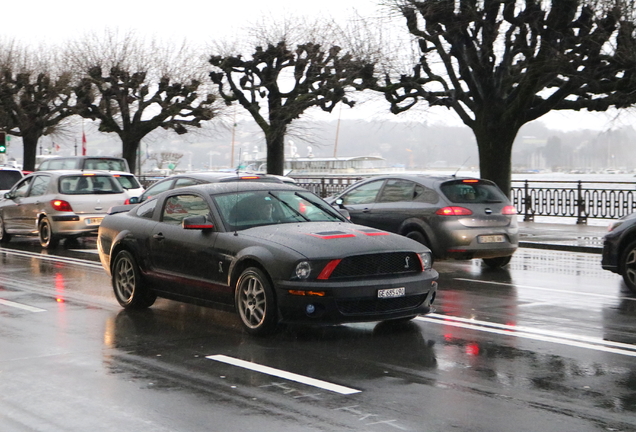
198,20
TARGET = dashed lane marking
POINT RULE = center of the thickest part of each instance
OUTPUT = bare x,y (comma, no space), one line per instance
21,306
284,374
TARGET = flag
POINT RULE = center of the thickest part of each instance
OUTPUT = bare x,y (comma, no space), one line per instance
83,144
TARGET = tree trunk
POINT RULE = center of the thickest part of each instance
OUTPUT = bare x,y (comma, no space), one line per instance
495,153
30,148
275,139
129,152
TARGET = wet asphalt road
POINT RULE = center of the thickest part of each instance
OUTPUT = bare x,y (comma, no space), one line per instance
547,345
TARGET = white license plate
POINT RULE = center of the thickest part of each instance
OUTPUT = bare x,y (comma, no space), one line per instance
391,292
491,239
94,221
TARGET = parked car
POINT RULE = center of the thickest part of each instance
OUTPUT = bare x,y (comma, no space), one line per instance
619,249
8,177
203,177
270,251
102,163
58,204
461,218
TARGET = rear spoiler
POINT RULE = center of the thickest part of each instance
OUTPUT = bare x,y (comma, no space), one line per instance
121,209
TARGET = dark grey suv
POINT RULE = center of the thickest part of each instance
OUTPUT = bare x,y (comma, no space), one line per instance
461,218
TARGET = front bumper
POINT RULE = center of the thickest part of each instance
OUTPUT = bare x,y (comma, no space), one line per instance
356,301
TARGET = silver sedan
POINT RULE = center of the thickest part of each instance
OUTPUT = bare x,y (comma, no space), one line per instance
58,204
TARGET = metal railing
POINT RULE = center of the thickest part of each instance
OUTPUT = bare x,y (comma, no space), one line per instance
579,199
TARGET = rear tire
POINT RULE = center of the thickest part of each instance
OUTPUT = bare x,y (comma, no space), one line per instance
255,302
45,232
130,290
628,267
4,237
497,263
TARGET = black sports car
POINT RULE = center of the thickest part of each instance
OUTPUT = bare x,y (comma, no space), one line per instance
270,251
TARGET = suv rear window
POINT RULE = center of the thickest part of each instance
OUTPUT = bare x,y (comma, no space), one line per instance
8,178
89,184
472,191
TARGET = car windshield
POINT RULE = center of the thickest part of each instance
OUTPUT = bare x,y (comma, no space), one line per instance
88,184
105,164
256,208
8,178
473,191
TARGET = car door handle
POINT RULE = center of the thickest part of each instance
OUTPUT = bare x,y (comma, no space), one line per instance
158,236
366,210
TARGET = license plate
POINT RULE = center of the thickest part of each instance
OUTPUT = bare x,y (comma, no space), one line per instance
491,239
391,292
94,221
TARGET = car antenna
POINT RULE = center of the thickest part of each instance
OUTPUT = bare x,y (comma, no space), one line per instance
236,196
461,166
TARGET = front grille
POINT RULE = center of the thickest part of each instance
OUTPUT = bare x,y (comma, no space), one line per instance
377,265
368,306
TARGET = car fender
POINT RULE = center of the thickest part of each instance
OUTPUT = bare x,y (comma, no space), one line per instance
125,240
422,226
259,254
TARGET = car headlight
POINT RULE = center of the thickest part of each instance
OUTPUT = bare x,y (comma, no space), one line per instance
303,270
427,260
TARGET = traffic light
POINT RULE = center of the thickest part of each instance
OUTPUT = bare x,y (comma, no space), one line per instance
3,142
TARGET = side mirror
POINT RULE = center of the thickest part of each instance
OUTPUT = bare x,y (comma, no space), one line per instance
133,200
7,195
196,223
339,202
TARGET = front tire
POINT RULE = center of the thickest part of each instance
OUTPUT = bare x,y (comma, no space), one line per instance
45,233
130,290
255,302
497,263
4,237
628,267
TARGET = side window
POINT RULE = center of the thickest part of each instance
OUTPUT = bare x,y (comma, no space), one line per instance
179,207
156,189
364,194
147,209
40,184
425,195
182,182
21,188
396,191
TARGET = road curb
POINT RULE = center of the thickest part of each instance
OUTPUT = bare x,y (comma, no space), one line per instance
561,247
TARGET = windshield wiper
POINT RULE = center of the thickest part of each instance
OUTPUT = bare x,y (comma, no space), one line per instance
290,207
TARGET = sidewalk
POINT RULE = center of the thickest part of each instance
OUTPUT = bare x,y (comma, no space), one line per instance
565,237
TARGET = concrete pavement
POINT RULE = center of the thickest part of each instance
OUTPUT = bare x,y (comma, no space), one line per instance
561,236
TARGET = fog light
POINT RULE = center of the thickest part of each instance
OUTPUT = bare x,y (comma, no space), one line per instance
310,309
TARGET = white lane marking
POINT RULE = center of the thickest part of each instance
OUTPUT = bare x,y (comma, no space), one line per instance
51,258
571,340
577,293
284,374
90,251
21,306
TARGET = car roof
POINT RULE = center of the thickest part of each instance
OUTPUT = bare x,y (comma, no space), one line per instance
211,176
60,173
229,187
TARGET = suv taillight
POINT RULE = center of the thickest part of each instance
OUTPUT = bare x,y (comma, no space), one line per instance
454,211
61,205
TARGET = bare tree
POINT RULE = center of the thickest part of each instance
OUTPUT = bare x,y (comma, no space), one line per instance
279,82
165,157
132,87
35,96
500,64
